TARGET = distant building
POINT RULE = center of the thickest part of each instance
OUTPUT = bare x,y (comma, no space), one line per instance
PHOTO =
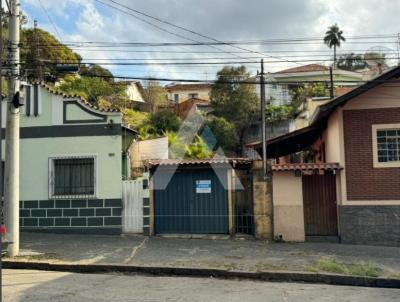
279,94
178,93
134,91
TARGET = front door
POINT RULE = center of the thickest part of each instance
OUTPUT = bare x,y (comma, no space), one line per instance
320,208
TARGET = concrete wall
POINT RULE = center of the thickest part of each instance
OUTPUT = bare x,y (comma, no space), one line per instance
288,206
148,149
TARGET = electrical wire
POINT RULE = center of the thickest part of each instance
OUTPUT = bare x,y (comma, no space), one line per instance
50,19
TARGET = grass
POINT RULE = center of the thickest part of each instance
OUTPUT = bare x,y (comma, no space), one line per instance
364,269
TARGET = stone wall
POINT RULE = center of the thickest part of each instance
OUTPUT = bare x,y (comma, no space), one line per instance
262,207
370,225
102,216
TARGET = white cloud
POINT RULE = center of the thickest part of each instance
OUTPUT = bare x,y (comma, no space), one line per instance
224,20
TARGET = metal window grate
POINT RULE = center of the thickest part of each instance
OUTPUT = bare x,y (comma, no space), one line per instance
73,177
388,145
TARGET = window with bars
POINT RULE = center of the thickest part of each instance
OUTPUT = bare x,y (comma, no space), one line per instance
72,177
388,145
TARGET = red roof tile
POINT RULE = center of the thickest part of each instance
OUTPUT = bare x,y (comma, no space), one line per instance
306,167
188,162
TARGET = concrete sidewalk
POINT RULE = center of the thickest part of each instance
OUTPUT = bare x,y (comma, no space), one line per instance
230,254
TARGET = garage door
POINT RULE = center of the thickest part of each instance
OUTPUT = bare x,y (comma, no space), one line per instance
194,202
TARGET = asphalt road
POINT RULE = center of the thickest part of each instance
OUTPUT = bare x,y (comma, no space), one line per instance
28,285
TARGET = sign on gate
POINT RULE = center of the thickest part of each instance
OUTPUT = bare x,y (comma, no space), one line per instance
203,186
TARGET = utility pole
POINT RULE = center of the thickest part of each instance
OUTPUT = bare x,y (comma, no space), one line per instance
331,88
38,71
263,122
11,194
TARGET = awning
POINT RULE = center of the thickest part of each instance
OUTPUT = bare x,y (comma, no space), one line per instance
291,142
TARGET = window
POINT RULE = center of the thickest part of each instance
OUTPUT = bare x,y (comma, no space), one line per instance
386,145
72,177
176,98
193,95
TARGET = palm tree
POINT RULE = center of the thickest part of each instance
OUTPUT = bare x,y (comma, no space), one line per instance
333,38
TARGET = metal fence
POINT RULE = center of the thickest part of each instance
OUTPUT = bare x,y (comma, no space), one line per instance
243,202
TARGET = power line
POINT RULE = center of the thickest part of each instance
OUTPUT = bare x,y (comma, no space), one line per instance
183,28
50,19
161,28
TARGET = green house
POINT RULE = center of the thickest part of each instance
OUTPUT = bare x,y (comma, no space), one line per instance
73,158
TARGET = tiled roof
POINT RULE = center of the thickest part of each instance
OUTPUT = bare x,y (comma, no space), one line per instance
75,96
306,167
196,86
305,68
190,162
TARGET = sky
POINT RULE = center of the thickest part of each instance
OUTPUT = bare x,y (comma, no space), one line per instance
223,20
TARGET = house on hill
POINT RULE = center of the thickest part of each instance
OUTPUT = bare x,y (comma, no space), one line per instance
74,157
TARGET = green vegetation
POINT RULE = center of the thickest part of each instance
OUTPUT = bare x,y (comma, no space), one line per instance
305,91
135,119
94,89
361,268
40,60
198,149
224,133
163,121
235,101
333,38
155,95
96,70
351,62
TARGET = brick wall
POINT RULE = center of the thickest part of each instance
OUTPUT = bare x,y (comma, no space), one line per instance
364,182
85,215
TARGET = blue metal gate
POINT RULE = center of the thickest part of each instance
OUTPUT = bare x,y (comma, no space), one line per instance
194,202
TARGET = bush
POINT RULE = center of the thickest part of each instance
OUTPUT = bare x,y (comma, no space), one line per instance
224,133
164,121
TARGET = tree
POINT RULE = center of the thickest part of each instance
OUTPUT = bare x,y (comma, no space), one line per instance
96,70
198,149
333,38
351,62
163,121
94,89
301,93
41,53
135,119
275,114
234,100
224,133
154,94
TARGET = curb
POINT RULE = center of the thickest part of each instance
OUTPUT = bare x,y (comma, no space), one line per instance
271,276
